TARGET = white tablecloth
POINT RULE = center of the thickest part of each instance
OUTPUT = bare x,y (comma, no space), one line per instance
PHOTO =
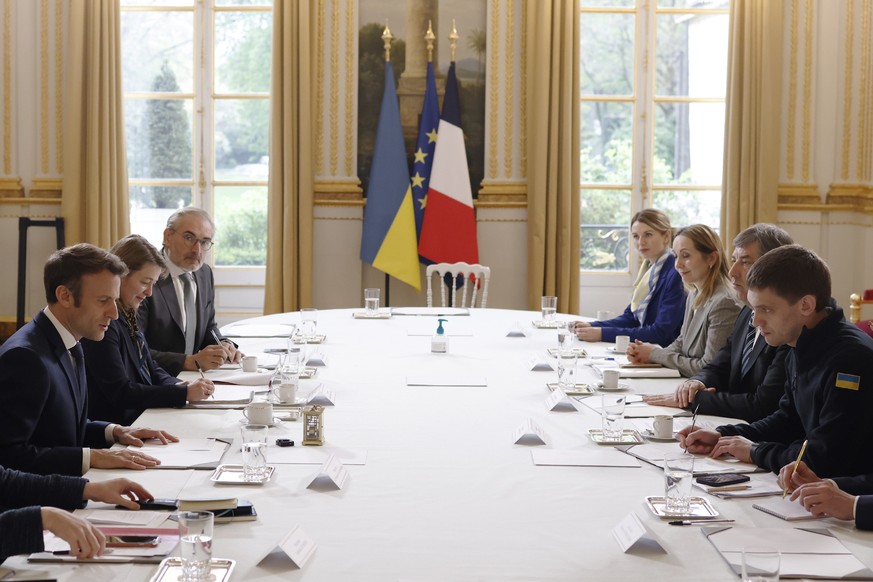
444,494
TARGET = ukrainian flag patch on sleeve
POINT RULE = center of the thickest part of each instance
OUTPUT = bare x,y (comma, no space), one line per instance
848,381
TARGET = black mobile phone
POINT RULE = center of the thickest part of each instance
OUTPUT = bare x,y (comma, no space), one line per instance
132,541
156,504
722,480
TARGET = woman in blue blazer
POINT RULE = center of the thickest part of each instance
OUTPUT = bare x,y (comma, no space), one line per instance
658,304
123,379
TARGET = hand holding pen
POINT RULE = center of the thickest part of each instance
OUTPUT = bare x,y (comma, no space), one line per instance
232,355
203,377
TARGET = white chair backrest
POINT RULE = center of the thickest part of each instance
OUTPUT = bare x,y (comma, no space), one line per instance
468,291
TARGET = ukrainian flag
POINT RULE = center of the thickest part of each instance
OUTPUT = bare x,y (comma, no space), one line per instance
848,381
389,240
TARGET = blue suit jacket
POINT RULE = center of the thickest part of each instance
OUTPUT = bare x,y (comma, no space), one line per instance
43,410
159,318
117,388
664,315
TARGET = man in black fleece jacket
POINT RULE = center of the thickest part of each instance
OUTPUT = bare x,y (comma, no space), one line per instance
829,390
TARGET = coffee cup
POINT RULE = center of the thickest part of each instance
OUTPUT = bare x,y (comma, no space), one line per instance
250,363
610,379
286,392
259,413
621,343
662,426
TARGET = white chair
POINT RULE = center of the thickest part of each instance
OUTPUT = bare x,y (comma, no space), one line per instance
481,273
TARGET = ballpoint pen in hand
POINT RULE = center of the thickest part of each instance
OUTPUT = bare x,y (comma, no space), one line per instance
202,375
793,469
218,342
693,422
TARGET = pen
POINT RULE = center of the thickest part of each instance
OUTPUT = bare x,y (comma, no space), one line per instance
693,422
699,521
793,469
202,375
218,341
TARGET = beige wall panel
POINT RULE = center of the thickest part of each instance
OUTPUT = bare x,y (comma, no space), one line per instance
503,247
336,260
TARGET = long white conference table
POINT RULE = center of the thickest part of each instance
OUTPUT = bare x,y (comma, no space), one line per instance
445,494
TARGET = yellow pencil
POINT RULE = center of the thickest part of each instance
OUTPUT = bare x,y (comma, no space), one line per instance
796,464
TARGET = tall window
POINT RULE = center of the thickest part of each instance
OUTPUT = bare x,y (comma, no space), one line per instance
653,76
196,80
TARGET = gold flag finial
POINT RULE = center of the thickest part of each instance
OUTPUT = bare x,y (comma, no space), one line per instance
453,39
387,37
429,37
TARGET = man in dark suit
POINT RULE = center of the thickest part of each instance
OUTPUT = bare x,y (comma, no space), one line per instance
178,320
43,393
746,378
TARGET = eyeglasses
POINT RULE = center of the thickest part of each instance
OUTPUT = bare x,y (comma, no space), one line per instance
192,240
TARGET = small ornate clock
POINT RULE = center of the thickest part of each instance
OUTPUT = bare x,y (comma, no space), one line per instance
313,425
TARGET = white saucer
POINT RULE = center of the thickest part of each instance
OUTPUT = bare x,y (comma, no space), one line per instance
649,436
612,350
299,401
621,386
276,421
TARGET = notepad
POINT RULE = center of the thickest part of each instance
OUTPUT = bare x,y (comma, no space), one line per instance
785,509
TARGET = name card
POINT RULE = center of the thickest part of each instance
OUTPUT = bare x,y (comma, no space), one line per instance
322,396
558,401
316,359
516,331
332,474
296,546
540,364
529,433
631,533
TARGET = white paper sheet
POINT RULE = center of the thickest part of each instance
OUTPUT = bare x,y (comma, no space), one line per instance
593,457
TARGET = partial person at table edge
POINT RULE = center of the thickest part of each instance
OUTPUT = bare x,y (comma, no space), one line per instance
848,498
710,309
123,378
178,320
33,503
658,302
44,424
829,367
746,379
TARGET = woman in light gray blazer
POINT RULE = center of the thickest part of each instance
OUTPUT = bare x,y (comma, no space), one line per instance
710,310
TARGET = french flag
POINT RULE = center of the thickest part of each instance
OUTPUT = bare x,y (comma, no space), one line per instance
448,230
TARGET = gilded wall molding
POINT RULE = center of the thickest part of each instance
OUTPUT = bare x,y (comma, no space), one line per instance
7,87
508,92
842,197
847,89
44,87
522,170
863,145
502,194
792,92
807,89
46,189
11,188
319,89
334,88
338,192
493,50
59,86
350,91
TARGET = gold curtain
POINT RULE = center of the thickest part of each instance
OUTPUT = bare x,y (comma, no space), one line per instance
752,115
553,152
291,183
95,199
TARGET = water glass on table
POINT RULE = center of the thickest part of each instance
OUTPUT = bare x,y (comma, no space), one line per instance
550,306
195,543
567,370
760,564
678,475
308,323
254,451
371,301
612,416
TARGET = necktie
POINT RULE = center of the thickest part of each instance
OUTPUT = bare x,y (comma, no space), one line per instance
143,362
79,364
190,311
747,349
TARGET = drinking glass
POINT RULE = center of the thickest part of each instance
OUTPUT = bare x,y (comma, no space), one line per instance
567,371
254,451
612,421
760,564
371,301
195,543
550,306
308,322
678,475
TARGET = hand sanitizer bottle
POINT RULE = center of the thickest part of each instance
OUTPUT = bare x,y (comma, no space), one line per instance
439,344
